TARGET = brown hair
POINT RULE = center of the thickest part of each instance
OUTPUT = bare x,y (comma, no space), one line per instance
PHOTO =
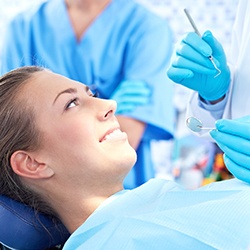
18,132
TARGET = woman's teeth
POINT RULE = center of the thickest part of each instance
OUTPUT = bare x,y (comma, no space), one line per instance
114,135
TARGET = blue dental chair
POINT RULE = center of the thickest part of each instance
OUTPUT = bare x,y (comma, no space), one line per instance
22,228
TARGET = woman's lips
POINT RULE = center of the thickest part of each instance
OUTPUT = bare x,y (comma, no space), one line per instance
115,134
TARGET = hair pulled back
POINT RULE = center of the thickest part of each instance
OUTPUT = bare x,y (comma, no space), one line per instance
18,132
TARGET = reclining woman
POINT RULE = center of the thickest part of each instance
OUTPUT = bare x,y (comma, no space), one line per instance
62,152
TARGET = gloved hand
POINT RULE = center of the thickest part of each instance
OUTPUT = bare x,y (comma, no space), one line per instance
233,137
192,68
130,94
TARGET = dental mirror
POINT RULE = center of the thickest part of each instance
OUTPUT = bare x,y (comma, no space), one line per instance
195,124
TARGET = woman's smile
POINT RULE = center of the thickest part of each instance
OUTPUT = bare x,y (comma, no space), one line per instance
114,135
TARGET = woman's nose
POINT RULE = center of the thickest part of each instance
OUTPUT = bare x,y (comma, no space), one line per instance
109,109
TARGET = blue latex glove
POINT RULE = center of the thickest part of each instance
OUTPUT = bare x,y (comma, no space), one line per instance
233,137
130,94
191,67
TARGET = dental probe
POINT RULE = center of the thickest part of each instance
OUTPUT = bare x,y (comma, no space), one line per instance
199,34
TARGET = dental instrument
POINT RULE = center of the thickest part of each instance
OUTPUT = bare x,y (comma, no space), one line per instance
199,34
196,125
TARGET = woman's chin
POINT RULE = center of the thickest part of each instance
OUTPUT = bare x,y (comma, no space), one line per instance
128,159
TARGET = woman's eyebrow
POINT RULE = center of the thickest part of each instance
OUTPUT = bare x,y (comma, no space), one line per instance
69,90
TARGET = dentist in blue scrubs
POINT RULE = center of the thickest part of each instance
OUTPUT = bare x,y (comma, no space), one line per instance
118,48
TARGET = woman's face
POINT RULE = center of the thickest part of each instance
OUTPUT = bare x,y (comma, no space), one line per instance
81,139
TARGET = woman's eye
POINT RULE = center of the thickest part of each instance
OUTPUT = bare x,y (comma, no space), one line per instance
95,94
72,103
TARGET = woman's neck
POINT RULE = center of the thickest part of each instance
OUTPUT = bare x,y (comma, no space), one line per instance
75,214
75,204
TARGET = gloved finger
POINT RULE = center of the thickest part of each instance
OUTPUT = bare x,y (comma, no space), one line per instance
198,44
184,77
135,99
133,83
121,109
122,94
238,127
236,156
233,142
133,88
181,62
193,55
238,171
129,97
245,119
178,75
216,47
135,92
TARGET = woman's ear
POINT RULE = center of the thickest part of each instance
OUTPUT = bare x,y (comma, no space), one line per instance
24,164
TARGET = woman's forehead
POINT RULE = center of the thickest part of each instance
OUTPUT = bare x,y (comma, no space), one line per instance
49,82
42,87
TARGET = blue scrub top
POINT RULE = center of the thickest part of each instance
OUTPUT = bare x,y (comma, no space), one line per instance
125,42
162,215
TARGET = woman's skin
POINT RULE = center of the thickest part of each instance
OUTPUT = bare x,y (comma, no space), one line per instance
83,157
81,14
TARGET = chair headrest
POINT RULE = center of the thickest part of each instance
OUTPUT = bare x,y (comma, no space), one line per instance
21,227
